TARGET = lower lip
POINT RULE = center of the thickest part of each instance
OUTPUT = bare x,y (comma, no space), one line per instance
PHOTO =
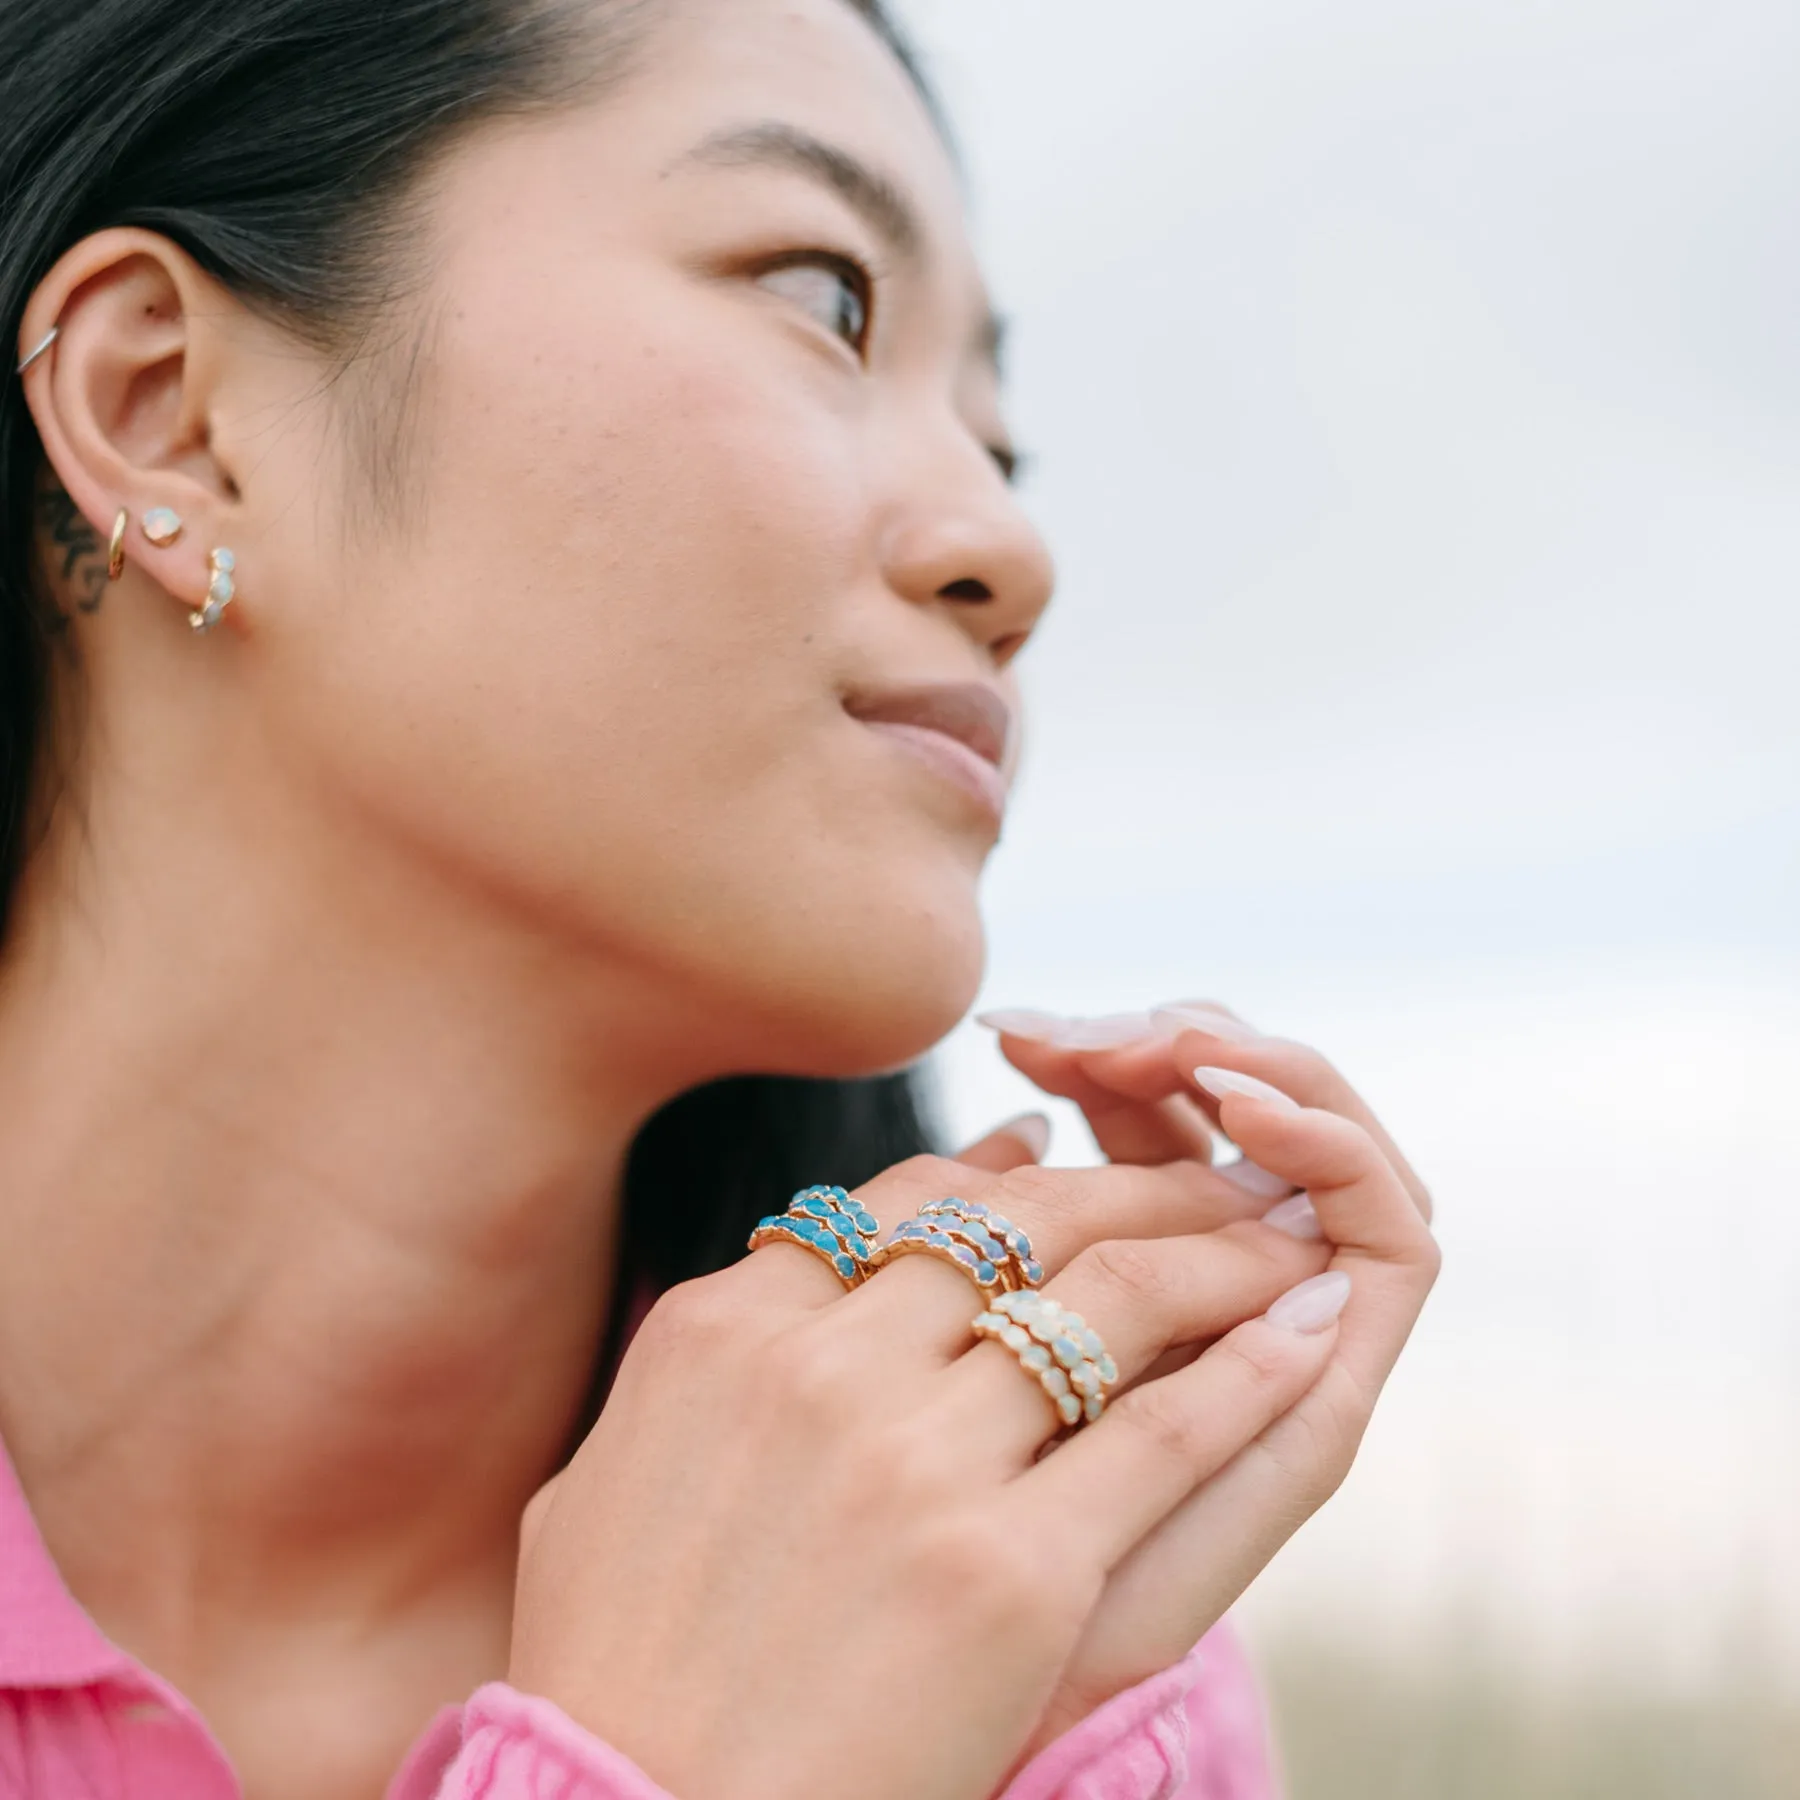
952,759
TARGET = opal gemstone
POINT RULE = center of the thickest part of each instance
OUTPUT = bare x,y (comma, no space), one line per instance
1066,1351
1070,1409
223,559
1093,1407
1056,1383
1036,1359
162,525
1109,1370
1014,1339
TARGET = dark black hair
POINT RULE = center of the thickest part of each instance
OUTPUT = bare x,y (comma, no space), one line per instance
278,141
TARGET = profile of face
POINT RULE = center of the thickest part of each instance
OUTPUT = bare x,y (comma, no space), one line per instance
677,628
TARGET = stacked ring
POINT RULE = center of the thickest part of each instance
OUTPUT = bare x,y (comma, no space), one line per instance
1016,1258
826,1221
953,1241
1058,1349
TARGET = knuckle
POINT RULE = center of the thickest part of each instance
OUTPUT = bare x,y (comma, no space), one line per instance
808,1375
1039,1195
1131,1267
1173,1430
923,1177
694,1317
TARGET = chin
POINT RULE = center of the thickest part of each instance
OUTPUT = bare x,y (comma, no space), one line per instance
901,988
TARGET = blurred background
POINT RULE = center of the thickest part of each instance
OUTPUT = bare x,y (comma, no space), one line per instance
1414,398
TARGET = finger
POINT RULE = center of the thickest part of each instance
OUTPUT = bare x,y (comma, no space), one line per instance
1298,1071
1119,1478
1018,1141
1143,1298
1132,1096
924,1301
1364,1210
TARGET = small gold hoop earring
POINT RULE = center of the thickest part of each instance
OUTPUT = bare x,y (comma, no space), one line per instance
115,551
220,591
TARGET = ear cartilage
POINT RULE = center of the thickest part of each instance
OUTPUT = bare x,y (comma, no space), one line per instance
220,592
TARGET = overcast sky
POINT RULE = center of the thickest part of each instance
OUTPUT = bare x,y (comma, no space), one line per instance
1414,397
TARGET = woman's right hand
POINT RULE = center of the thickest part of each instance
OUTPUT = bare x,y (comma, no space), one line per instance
809,1549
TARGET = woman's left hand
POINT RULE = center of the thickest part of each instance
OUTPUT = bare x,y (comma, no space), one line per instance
1134,1079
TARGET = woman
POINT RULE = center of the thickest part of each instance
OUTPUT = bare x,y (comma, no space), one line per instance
510,599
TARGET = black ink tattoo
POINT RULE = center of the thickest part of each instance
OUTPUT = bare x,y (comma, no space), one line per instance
83,556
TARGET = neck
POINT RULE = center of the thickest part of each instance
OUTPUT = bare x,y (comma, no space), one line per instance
310,1203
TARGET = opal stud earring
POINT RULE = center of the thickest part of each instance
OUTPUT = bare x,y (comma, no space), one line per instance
220,592
162,526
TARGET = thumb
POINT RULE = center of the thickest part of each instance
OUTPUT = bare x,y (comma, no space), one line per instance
1010,1146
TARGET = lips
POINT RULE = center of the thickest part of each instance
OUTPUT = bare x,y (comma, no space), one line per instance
961,729
973,715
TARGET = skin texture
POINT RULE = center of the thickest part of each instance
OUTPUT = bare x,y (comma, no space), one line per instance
365,932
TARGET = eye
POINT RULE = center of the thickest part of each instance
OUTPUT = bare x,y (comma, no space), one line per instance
834,290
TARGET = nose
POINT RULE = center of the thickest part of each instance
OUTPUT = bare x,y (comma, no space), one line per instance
963,543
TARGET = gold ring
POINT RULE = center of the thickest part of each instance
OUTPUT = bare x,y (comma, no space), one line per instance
1058,1349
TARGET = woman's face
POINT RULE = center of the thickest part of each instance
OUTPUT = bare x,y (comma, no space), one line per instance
688,641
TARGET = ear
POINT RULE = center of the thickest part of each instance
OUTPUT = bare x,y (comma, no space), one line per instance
125,399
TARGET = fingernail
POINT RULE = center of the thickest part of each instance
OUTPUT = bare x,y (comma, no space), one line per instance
1032,1129
1040,1027
1198,1016
1220,1082
1297,1218
1312,1306
1254,1179
1108,1033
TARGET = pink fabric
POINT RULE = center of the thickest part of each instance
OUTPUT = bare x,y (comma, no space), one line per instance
80,1720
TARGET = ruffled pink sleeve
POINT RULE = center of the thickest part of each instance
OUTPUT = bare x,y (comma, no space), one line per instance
1194,1732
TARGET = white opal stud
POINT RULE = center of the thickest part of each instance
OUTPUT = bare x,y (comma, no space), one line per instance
220,591
162,526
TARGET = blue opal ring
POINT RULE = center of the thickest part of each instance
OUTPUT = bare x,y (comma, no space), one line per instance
826,1221
1058,1349
1019,1266
950,1240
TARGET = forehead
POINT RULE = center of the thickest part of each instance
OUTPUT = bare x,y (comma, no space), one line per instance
714,68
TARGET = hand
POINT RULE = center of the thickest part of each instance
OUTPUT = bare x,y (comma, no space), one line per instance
1134,1080
809,1547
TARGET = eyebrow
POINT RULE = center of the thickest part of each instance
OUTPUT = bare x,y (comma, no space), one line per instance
884,204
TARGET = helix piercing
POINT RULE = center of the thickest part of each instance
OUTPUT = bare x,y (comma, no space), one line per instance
44,344
115,551
162,526
220,591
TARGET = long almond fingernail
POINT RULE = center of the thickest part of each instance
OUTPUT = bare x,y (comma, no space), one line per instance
1039,1027
1112,1032
1220,1082
1297,1218
1313,1306
1213,1020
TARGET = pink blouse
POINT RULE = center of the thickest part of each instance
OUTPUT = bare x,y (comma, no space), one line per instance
81,1720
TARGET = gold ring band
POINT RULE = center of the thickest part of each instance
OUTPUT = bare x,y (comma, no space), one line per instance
1058,1349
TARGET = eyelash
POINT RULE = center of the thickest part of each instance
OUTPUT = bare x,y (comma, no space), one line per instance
862,282
857,279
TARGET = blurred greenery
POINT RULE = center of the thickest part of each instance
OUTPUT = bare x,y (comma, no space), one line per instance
1468,1727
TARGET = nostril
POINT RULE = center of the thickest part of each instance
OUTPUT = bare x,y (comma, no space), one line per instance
969,589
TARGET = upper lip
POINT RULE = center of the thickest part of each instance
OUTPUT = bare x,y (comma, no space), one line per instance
971,712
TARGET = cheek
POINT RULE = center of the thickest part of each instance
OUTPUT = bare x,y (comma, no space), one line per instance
602,677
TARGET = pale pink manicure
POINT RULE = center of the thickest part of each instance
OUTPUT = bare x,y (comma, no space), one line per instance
1313,1306
1199,1017
1032,1129
1297,1218
1040,1027
1112,1032
1220,1082
1254,1179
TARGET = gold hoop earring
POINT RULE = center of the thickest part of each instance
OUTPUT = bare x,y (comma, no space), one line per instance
115,551
220,591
